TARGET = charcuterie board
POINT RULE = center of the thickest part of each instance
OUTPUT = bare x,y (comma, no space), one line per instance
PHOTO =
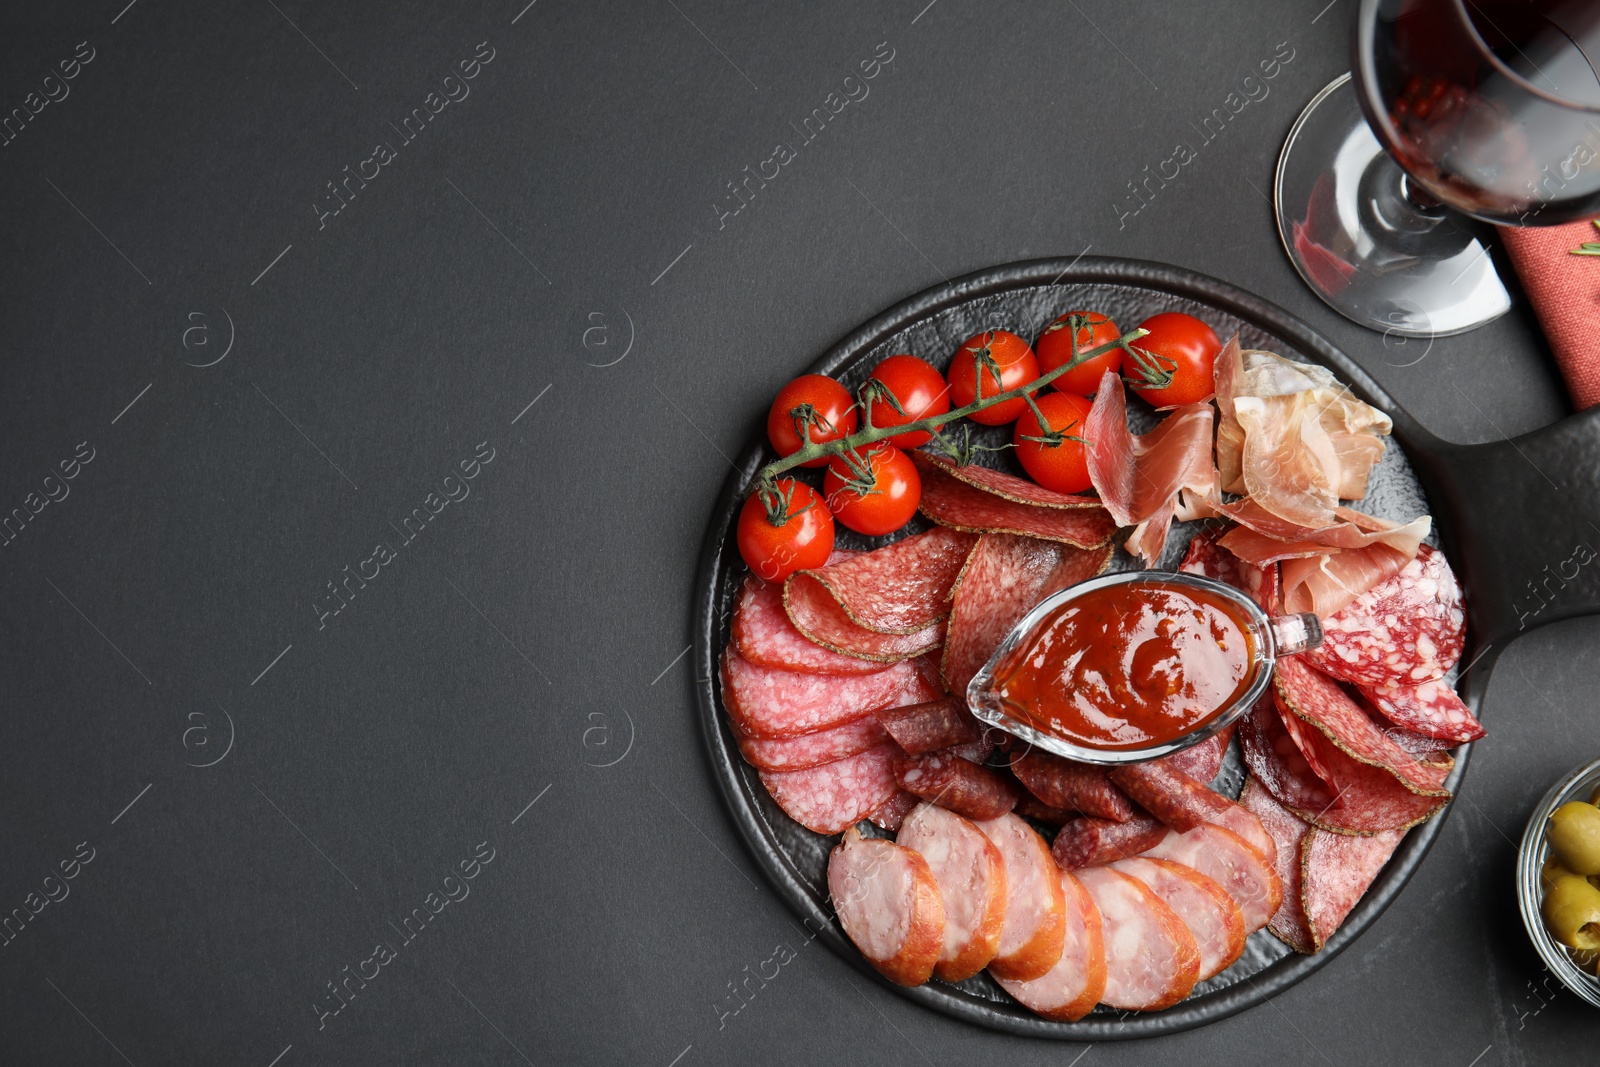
1422,474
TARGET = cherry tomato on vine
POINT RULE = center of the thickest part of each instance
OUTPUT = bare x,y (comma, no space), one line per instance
978,362
785,529
874,494
815,403
1053,455
1054,349
1177,357
921,392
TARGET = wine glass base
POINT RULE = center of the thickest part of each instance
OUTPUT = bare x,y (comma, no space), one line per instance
1362,244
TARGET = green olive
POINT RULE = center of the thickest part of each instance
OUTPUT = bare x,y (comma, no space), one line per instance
1575,836
1572,912
1551,871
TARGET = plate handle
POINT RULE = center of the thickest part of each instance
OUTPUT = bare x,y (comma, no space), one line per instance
1523,523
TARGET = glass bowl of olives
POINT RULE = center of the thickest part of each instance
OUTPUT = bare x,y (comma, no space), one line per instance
1558,880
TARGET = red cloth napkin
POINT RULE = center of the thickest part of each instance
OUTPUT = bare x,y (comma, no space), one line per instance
1565,292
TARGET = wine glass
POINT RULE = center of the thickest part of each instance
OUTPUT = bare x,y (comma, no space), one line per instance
1487,107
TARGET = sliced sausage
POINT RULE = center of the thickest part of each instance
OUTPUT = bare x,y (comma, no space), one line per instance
1152,960
1064,783
1204,906
1077,982
1183,803
812,750
888,903
764,635
972,885
836,795
1086,842
1035,926
962,786
1227,859
763,702
930,726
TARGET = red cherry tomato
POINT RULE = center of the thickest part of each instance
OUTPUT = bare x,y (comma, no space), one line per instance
786,530
1054,349
1179,349
1061,465
815,403
972,374
921,392
874,494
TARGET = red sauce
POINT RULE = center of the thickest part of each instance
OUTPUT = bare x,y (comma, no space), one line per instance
1129,665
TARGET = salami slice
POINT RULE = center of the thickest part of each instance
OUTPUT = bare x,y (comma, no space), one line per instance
1366,799
1004,578
1202,762
1035,926
972,884
1425,749
1208,557
1335,871
1213,919
763,702
764,635
1031,807
1070,989
1317,700
1277,762
930,726
1406,631
902,588
813,749
888,903
1183,803
1432,709
1089,842
1152,960
960,785
891,814
1225,858
821,619
950,499
1064,783
1288,923
837,795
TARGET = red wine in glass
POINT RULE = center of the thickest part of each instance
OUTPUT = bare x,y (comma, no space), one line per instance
1480,108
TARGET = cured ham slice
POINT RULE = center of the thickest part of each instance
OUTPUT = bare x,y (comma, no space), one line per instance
837,795
971,876
1070,989
1036,922
1432,709
1152,961
1335,871
891,814
1090,842
1140,479
1004,578
900,589
1213,919
1350,529
763,702
1183,803
1292,436
931,726
1064,783
823,620
1323,585
813,749
960,785
979,500
764,635
1317,700
1408,630
888,903
1225,858
1288,923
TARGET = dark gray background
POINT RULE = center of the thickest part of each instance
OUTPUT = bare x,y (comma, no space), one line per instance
535,632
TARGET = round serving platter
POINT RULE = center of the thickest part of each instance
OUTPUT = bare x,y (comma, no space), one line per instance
1024,297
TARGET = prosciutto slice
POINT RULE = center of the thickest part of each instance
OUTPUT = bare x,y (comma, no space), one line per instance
1292,436
1148,480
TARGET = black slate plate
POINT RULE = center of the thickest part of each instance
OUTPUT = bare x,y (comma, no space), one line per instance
1502,511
